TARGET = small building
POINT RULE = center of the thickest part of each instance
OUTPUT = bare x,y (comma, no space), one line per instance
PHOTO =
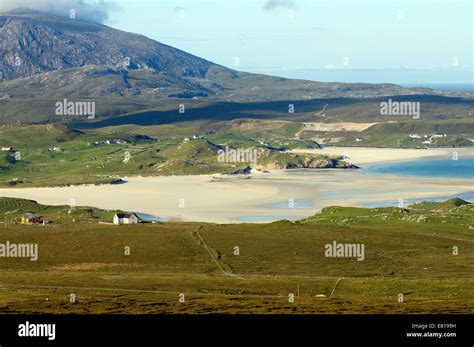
31,219
125,218
6,149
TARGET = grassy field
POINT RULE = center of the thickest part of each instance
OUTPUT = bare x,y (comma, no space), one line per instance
52,155
407,251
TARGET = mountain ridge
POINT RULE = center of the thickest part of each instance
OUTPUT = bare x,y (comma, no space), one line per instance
48,58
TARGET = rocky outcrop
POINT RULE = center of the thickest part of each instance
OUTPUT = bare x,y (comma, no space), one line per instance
268,160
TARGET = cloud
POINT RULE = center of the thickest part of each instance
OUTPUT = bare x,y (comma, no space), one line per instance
180,11
333,67
273,4
93,11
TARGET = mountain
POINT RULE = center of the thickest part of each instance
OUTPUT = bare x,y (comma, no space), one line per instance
47,58
35,45
47,43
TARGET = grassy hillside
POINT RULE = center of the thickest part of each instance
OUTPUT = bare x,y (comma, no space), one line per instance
55,155
12,209
457,212
459,133
413,258
335,109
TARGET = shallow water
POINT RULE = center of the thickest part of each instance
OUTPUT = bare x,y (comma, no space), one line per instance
461,168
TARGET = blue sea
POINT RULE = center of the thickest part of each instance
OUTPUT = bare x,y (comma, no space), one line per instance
150,217
461,168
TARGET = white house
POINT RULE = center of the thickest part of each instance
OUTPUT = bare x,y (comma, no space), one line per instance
125,218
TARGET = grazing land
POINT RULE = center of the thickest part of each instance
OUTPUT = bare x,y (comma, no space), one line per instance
407,251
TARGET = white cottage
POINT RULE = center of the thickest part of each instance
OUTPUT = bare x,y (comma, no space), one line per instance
125,218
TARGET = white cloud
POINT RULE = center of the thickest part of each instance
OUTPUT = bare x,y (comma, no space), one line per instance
92,11
273,4
333,67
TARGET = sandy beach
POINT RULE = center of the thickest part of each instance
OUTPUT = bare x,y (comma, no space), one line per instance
258,197
372,155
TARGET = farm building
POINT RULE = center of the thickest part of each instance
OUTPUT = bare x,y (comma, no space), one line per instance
31,219
125,218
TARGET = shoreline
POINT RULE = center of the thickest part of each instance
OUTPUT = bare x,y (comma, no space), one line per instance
357,156
258,197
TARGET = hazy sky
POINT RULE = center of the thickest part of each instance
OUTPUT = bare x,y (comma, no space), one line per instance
431,40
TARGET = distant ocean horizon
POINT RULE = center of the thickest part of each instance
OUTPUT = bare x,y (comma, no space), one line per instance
429,78
442,86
